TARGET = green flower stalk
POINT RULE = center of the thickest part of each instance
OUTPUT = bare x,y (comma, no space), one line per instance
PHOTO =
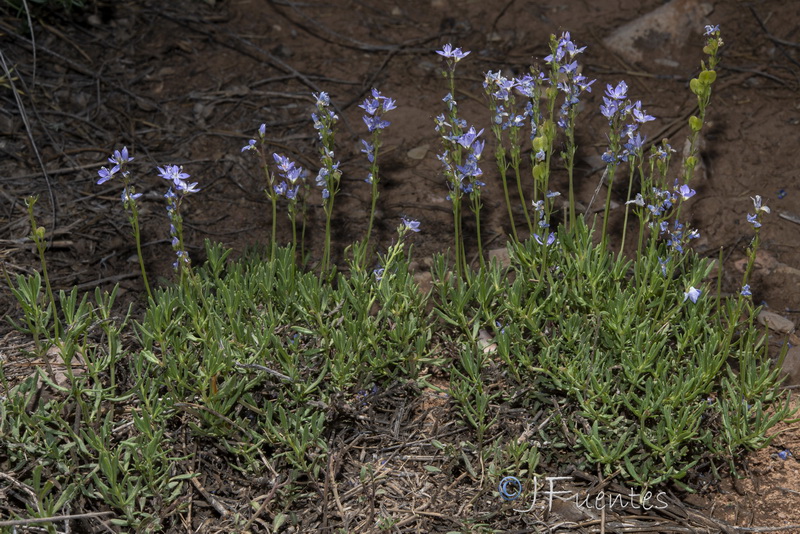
451,158
120,160
374,108
329,174
701,86
567,78
179,189
502,103
38,237
259,147
293,176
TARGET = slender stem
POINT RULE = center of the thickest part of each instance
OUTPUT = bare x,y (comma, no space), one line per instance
612,170
457,232
515,162
273,198
627,206
138,238
476,207
500,155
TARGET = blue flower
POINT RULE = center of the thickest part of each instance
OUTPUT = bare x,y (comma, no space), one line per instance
692,294
185,188
663,265
322,99
620,92
635,142
711,29
369,150
662,152
449,52
120,157
639,115
375,123
609,108
107,174
686,192
294,175
758,205
284,163
753,219
411,225
639,200
467,138
745,292
173,173
550,239
127,197
251,145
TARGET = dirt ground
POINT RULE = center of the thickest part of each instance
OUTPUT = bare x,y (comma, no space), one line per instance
189,82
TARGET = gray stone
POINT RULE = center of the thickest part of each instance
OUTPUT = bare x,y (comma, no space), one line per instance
658,36
775,322
791,367
501,255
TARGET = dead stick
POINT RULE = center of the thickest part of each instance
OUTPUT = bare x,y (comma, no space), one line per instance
34,520
210,498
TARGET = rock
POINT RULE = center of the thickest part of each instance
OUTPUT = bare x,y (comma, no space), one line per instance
775,322
501,255
419,152
700,170
486,342
791,367
659,35
764,260
424,280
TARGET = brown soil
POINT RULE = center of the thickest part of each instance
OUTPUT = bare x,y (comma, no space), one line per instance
189,82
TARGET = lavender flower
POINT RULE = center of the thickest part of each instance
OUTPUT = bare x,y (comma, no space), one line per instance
618,93
449,52
410,225
745,292
639,200
758,206
550,239
686,192
369,150
692,294
129,197
639,115
107,174
175,195
119,159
